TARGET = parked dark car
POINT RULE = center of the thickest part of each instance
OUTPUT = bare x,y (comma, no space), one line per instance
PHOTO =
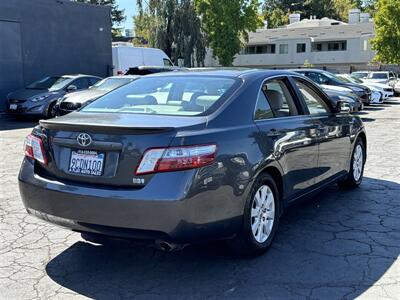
191,156
146,70
73,101
337,97
39,98
327,78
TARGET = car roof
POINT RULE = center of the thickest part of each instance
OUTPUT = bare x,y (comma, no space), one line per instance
308,69
78,75
124,77
243,73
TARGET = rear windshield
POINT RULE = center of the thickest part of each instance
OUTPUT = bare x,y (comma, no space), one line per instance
170,95
378,75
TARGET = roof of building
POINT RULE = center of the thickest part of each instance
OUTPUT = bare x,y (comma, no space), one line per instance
314,29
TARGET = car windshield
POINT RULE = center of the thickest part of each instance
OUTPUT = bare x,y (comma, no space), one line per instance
350,79
109,84
169,95
333,77
355,79
43,84
61,83
378,76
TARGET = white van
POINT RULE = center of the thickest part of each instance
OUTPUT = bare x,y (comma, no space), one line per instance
127,56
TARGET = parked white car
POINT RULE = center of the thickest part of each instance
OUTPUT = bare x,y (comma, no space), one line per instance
126,56
381,91
385,77
360,74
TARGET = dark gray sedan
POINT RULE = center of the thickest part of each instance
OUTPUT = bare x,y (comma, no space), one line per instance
40,97
185,157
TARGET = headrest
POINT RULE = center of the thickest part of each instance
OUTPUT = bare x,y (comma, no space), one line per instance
275,99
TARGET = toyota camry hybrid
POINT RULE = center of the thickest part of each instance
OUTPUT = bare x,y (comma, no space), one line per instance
183,157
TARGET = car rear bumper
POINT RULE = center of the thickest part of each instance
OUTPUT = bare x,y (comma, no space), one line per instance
164,209
22,109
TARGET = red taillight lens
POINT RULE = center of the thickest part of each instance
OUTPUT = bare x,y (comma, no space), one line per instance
33,148
176,158
120,73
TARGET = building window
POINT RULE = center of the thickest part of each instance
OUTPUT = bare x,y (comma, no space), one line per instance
329,46
261,49
365,45
301,48
337,46
283,49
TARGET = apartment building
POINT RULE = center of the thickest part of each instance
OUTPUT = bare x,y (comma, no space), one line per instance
324,43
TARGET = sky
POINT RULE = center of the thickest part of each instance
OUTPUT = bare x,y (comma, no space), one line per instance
130,11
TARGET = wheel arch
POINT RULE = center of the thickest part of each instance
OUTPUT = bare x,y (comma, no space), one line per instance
276,174
363,138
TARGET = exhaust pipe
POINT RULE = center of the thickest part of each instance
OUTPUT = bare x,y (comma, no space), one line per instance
169,247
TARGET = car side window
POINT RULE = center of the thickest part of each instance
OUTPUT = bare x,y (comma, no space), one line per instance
81,83
315,104
93,80
263,109
279,98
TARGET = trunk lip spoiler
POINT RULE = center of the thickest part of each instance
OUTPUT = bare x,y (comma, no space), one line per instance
96,127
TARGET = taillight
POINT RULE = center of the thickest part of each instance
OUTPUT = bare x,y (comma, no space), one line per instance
33,148
120,73
176,158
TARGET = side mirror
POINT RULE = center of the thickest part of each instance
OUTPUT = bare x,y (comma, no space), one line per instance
72,88
343,107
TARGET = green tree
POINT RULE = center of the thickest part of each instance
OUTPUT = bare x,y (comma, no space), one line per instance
276,17
387,32
277,11
342,7
117,15
227,23
173,26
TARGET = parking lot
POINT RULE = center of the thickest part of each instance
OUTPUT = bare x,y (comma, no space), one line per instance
340,244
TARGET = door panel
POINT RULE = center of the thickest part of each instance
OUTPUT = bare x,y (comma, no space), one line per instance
290,136
294,145
334,144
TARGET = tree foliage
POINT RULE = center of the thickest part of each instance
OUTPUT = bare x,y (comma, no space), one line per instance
117,15
276,12
227,23
174,27
387,30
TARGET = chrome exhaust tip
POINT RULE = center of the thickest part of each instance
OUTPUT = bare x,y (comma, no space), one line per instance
169,247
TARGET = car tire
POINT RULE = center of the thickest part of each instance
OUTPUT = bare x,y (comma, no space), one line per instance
51,110
355,176
254,239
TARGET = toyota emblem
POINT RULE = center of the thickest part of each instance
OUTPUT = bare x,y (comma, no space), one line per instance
84,139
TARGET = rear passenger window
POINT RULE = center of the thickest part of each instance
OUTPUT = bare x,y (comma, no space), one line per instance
263,110
315,104
279,98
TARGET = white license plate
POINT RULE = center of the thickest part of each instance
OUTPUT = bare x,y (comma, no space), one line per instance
13,106
86,162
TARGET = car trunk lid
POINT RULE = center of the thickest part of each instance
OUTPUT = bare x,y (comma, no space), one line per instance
117,143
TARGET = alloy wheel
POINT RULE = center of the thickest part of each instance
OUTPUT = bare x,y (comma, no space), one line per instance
262,213
358,160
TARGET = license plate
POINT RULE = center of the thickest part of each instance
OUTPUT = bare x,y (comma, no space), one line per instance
13,106
86,162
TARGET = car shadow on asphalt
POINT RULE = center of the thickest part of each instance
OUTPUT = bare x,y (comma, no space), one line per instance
336,245
10,123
